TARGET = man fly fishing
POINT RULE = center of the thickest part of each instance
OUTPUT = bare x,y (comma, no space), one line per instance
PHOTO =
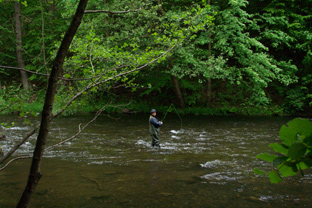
154,125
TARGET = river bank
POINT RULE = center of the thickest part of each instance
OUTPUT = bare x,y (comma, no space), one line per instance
79,108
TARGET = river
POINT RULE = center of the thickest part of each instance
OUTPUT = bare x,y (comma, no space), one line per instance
207,163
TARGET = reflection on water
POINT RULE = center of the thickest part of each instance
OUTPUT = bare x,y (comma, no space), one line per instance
208,163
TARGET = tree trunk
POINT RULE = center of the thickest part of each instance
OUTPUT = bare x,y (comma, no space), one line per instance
177,91
57,70
42,35
19,56
209,92
209,89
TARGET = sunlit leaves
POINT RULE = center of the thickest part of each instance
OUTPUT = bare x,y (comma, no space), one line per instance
112,45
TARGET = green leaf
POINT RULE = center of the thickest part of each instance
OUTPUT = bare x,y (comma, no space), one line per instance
297,151
66,75
302,126
298,126
274,177
267,157
305,163
280,148
288,135
279,160
259,172
308,140
297,155
288,169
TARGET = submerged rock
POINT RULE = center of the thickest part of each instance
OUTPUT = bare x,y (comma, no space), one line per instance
166,194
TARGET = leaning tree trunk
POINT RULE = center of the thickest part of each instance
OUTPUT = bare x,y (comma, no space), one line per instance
57,69
19,56
177,91
209,88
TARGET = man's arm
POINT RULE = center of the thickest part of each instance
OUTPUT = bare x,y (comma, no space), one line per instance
155,122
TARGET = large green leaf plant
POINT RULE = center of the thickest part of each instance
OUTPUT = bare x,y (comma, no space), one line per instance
294,153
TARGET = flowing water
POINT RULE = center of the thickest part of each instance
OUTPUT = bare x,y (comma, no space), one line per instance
207,163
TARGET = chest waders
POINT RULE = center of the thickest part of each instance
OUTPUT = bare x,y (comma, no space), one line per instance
154,132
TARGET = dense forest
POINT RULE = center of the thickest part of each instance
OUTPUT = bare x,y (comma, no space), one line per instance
205,57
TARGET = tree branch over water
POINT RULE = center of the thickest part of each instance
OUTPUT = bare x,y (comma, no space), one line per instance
80,130
62,78
90,86
25,70
15,159
20,143
62,142
97,82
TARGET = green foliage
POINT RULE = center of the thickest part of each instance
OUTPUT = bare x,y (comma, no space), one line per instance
253,65
236,58
284,27
103,51
294,151
259,62
32,40
25,104
299,98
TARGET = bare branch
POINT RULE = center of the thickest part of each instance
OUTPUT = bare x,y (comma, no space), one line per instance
112,12
91,60
17,68
80,130
66,79
34,130
90,86
13,149
51,147
17,158
113,77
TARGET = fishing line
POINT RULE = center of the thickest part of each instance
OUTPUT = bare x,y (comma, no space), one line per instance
170,110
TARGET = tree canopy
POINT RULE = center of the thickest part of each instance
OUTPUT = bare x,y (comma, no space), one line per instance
258,51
